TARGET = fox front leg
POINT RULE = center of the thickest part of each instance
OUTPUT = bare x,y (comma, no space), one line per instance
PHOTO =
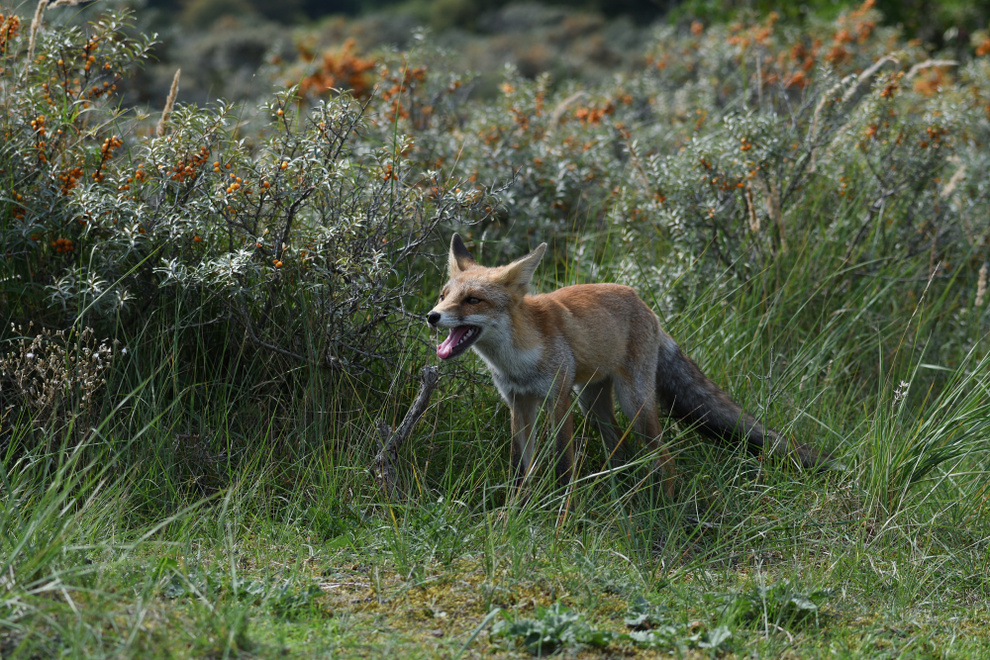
564,448
524,412
564,438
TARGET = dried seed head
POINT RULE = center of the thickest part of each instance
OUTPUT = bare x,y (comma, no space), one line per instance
981,285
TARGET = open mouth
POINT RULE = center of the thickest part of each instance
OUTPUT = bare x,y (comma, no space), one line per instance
458,341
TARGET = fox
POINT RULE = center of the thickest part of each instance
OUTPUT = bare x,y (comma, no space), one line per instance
594,340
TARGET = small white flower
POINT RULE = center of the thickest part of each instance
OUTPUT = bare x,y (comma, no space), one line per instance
901,392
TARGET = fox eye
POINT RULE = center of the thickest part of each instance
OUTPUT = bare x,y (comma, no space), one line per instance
442,296
473,301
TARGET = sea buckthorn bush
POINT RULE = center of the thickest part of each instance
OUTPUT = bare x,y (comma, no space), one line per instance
739,162
293,227
730,146
61,139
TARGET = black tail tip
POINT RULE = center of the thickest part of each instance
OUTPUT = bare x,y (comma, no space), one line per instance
819,460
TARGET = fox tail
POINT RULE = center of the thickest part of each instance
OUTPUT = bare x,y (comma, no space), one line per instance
685,393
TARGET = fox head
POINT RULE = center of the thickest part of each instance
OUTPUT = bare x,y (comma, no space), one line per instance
476,303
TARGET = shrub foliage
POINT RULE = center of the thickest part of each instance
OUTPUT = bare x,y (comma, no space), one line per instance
296,231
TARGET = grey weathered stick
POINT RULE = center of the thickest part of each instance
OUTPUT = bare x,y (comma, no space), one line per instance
383,467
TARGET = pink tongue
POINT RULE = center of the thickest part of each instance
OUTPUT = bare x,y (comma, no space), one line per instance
447,347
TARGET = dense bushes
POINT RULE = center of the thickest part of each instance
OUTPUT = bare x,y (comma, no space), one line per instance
288,233
289,239
730,144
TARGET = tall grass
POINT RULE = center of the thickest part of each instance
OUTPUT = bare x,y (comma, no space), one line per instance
244,534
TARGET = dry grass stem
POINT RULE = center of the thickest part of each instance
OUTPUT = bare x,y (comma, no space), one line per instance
754,219
35,25
929,64
169,104
981,285
39,12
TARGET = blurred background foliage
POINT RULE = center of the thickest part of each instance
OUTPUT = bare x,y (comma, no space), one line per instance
915,15
222,43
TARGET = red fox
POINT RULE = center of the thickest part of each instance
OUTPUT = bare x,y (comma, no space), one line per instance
595,339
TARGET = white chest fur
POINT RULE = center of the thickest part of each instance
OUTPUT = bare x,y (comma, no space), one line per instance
521,371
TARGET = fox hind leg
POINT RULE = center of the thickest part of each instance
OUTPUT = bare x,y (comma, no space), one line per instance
637,398
597,403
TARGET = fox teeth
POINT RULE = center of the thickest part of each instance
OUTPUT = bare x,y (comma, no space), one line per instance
467,335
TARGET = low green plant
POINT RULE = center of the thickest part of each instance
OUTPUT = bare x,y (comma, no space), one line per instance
651,627
556,628
552,629
781,605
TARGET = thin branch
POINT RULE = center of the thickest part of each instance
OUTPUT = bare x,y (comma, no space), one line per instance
383,467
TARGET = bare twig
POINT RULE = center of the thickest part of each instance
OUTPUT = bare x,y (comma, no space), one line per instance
383,467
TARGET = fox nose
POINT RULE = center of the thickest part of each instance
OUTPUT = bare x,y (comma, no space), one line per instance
433,318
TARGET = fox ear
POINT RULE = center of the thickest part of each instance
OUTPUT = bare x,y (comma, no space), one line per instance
520,272
460,259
